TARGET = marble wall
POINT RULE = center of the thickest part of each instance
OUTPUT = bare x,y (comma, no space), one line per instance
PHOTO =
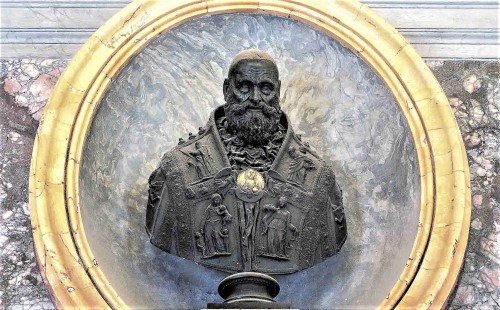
472,87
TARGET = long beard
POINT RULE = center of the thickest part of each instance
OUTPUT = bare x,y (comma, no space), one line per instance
252,124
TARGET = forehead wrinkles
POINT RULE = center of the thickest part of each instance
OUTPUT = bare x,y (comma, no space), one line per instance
256,72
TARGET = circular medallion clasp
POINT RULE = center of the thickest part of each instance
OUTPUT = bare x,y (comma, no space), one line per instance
250,181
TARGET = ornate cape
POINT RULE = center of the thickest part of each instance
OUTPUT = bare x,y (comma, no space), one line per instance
246,230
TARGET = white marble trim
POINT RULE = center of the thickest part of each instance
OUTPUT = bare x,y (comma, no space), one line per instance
438,29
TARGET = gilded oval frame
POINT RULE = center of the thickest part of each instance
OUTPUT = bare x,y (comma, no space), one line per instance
64,256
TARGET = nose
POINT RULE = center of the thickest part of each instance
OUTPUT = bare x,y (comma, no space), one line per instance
256,96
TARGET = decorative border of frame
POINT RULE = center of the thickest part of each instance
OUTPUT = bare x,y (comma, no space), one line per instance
64,256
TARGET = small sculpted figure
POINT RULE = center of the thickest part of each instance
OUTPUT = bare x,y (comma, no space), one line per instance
200,159
277,222
214,230
274,205
300,164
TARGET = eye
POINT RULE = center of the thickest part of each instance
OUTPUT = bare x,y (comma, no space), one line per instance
266,89
244,88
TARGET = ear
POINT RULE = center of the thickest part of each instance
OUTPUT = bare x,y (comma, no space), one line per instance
225,89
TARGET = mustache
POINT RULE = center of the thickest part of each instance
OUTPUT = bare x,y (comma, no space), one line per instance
238,109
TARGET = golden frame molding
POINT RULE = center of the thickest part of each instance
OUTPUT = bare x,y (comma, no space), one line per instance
69,269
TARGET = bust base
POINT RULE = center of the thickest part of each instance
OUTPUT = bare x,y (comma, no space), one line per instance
249,305
249,290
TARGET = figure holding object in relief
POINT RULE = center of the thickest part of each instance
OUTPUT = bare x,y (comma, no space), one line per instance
277,222
299,165
201,160
212,240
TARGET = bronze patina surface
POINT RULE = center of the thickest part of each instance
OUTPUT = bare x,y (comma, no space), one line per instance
246,193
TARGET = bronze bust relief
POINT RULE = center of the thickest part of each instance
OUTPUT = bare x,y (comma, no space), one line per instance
245,193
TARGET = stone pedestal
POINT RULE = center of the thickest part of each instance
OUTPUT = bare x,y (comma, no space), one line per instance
249,290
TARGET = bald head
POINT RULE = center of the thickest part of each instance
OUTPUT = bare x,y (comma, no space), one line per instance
252,55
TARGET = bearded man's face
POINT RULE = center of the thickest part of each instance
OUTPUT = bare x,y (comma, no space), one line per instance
252,101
